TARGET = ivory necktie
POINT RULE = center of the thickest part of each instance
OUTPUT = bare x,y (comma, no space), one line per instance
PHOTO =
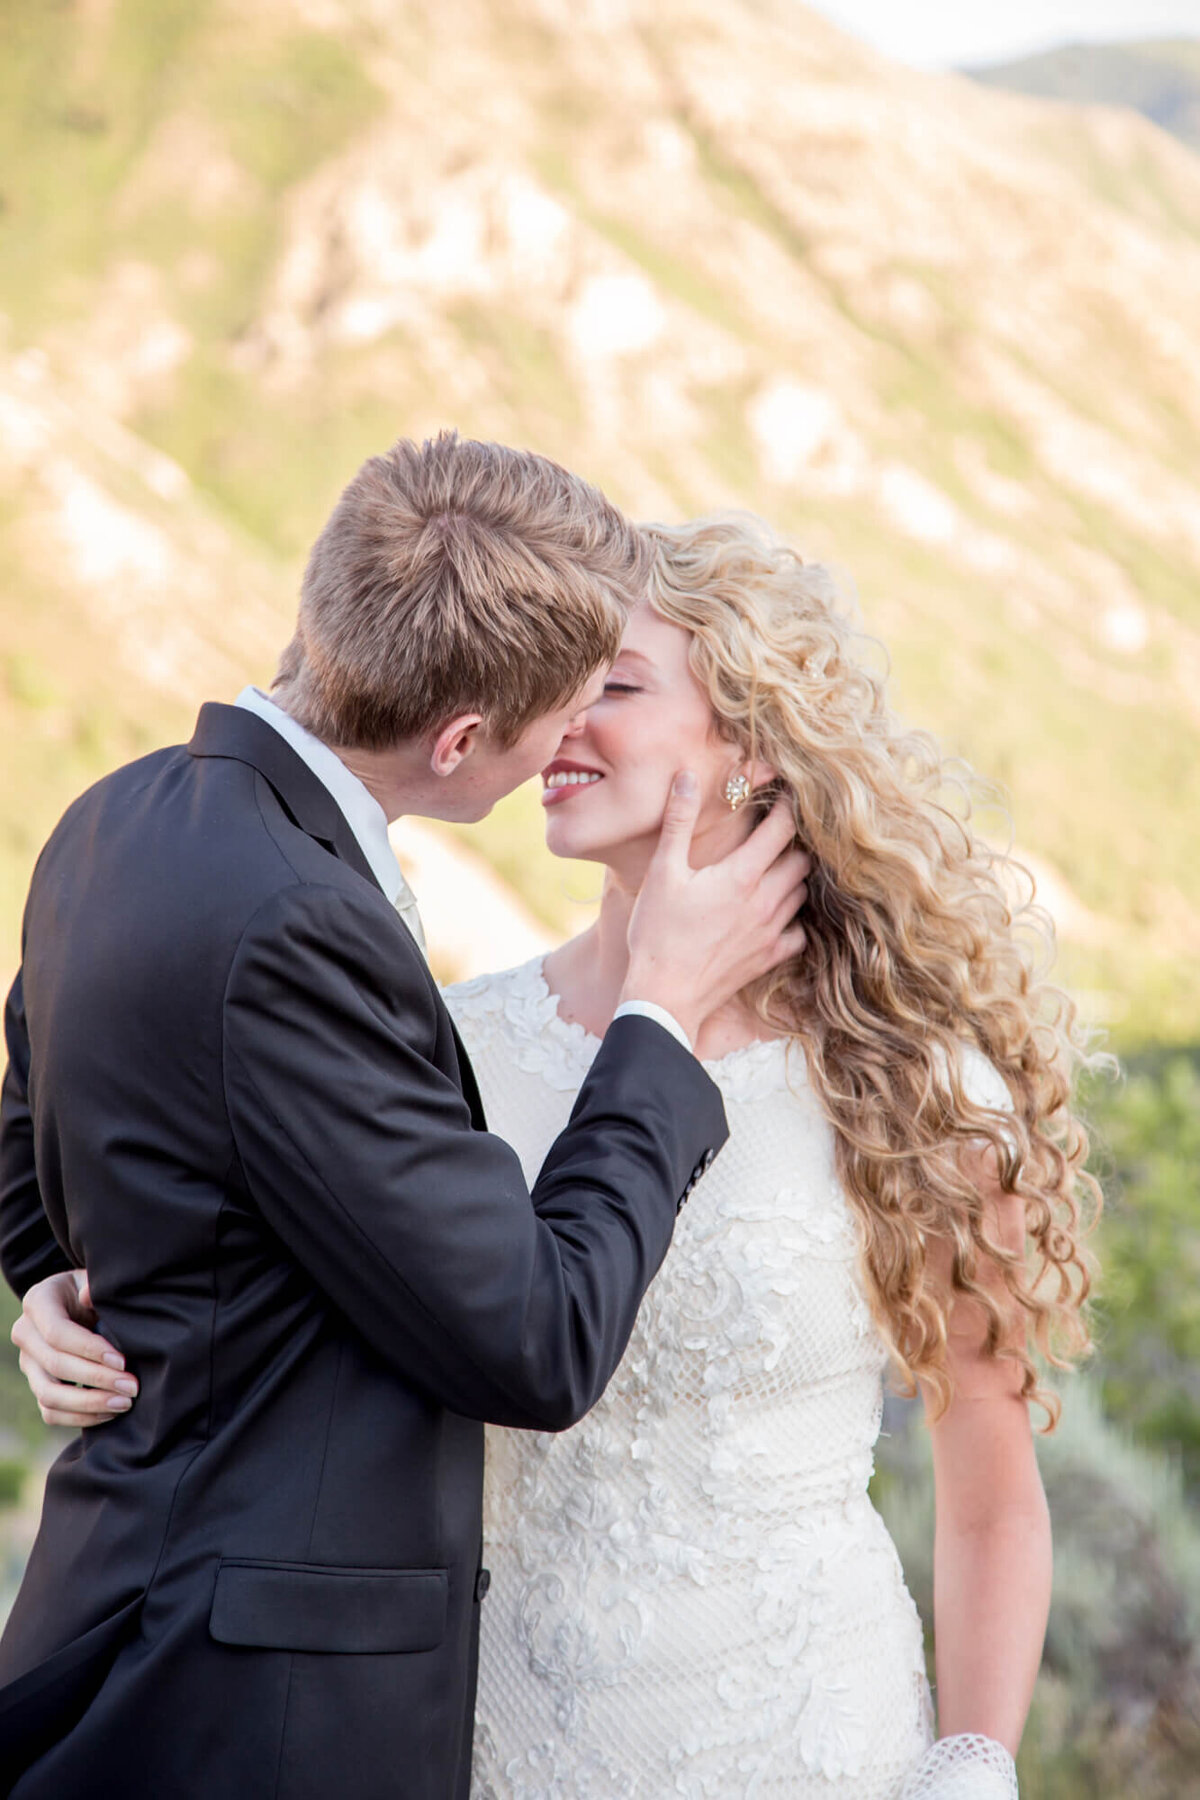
406,906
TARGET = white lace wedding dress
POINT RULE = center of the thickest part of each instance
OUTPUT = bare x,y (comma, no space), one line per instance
691,1593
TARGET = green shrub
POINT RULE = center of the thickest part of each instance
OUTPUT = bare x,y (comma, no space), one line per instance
1147,1150
1116,1713
12,1481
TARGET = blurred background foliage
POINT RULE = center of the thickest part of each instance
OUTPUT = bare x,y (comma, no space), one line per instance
711,253
1117,1709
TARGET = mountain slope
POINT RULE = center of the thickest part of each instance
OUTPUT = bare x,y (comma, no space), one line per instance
711,254
1159,78
125,597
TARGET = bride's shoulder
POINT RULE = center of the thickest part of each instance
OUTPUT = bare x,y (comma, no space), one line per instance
982,1083
514,1016
477,1006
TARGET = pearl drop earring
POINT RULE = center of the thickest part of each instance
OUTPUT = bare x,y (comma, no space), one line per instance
737,791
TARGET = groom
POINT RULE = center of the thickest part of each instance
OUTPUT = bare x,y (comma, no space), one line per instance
235,1096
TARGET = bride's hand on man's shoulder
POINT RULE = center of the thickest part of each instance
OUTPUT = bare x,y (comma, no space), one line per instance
78,1379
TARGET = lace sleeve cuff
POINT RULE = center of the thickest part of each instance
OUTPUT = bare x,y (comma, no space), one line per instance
967,1767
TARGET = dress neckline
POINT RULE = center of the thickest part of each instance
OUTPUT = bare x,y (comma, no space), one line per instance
758,1054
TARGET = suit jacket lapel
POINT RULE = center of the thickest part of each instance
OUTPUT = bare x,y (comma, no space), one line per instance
232,731
235,732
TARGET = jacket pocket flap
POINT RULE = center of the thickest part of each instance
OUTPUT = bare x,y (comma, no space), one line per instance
304,1606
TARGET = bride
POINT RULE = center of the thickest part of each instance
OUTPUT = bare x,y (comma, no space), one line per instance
691,1593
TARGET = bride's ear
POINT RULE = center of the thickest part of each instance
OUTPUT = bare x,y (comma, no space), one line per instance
761,775
757,774
746,781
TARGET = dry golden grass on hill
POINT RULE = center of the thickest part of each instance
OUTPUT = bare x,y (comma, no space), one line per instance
711,254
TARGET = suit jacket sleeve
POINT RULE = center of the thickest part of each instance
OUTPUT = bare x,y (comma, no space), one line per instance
29,1251
360,1152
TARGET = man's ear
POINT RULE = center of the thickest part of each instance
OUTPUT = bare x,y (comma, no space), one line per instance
455,742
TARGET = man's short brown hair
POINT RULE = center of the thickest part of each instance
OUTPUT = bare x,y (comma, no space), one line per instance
457,577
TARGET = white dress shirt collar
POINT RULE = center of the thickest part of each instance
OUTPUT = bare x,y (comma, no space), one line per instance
368,822
362,812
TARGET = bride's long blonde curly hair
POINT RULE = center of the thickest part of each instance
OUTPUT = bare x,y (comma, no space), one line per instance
917,946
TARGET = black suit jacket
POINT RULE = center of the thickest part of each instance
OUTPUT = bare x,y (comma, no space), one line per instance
235,1095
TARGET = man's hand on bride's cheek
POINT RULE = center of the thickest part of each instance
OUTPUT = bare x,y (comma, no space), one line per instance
76,1376
698,936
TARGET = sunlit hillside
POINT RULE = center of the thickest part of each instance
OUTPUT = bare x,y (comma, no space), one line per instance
709,253
1159,77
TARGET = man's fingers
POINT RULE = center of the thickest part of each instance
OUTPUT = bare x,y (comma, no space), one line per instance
679,820
766,842
791,944
786,880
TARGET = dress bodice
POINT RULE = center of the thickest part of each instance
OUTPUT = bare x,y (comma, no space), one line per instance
705,1532
756,1327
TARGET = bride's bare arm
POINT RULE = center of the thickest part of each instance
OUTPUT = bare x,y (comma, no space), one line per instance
992,1551
77,1378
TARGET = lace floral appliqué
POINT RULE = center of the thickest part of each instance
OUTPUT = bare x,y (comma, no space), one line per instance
691,1593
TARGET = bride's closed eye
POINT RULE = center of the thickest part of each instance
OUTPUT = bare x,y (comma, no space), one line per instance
620,687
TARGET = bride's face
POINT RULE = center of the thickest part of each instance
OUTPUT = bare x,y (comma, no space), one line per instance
651,720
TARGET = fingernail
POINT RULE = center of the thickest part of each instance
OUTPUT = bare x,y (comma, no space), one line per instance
127,1386
118,1405
113,1360
685,784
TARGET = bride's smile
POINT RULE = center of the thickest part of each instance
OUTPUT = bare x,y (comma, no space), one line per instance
652,718
562,779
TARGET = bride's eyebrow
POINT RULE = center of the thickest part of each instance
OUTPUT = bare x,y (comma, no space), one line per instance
634,656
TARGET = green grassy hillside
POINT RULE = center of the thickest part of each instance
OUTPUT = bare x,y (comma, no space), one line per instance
711,255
